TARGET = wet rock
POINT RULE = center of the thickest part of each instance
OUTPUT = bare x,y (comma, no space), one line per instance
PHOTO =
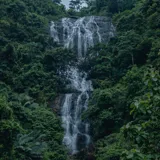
56,105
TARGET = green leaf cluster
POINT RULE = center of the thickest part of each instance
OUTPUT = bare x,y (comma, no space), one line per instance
30,80
124,107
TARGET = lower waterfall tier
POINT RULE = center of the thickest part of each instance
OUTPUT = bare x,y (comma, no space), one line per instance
74,104
76,132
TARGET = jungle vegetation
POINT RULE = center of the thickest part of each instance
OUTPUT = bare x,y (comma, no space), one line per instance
124,110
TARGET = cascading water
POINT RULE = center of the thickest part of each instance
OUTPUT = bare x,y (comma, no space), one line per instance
76,132
79,34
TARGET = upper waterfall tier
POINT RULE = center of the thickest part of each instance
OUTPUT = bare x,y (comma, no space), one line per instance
82,33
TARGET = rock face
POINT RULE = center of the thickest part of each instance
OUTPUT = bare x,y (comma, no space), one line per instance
82,33
58,102
79,34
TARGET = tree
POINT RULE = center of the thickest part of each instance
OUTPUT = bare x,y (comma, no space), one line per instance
57,1
143,129
76,4
9,129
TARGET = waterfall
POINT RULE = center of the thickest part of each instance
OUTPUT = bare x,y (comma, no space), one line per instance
82,33
76,132
79,34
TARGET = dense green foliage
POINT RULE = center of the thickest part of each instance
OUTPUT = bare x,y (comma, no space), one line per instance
124,109
29,80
